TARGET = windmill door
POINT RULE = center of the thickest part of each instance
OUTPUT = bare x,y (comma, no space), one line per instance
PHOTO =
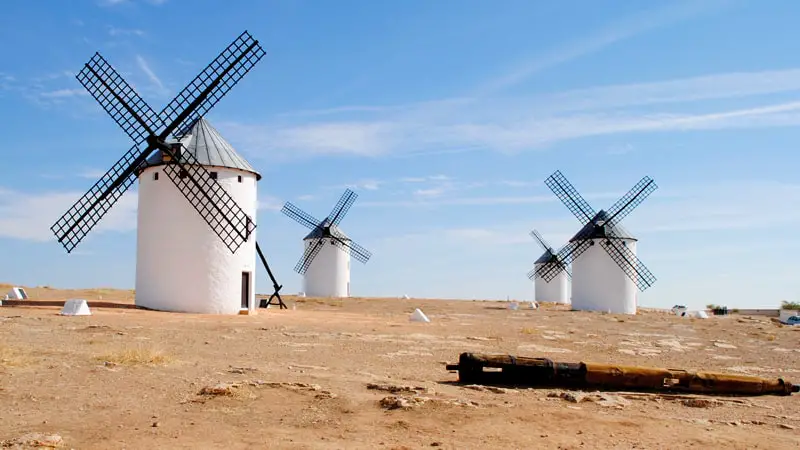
245,290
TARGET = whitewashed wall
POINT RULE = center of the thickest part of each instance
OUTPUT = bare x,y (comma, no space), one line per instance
329,272
556,290
599,284
182,265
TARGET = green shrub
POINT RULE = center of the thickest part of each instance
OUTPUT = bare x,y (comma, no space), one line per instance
790,305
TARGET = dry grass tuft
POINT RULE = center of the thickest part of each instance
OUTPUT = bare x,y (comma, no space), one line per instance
137,356
529,331
11,357
320,301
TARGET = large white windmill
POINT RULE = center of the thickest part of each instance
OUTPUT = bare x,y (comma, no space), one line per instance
556,290
325,264
604,248
170,233
196,238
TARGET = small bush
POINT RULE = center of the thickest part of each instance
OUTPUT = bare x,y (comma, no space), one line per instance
790,305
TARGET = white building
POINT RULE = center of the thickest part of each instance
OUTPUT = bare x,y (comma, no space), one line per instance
182,265
557,289
328,275
598,283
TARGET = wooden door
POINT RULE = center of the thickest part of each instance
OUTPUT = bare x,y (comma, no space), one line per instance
245,290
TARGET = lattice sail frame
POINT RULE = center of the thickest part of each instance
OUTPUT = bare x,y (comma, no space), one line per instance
580,208
553,258
140,123
327,231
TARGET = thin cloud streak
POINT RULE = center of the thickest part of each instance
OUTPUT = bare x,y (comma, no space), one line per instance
114,31
513,124
464,201
149,73
28,216
616,32
504,134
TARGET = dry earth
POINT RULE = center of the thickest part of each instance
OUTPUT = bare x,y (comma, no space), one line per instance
356,373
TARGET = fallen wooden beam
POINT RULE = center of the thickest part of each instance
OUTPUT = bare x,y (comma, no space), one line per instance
544,372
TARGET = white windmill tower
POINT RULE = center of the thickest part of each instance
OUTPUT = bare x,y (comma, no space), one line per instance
197,197
555,290
325,264
171,234
605,247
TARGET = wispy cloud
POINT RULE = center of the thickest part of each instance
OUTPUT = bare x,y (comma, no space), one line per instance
339,138
48,90
145,67
92,174
114,31
683,90
29,216
515,124
720,206
367,185
458,201
64,93
623,29
716,214
124,2
112,2
429,185
269,203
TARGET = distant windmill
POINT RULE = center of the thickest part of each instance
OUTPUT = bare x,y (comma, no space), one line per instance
325,264
189,230
557,289
597,284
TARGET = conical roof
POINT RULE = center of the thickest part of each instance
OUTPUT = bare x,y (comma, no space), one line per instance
545,258
598,229
210,148
319,231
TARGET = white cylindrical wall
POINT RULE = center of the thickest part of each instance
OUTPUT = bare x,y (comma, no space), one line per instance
555,291
328,275
599,284
182,265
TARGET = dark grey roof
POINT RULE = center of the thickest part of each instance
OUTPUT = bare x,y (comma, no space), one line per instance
546,257
210,149
594,230
319,232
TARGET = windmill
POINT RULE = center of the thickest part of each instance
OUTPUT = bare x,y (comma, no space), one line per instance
328,248
555,290
597,284
195,236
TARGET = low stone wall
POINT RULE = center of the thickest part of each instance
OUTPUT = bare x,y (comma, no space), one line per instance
756,312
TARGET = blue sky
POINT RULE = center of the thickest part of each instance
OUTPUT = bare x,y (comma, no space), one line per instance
445,117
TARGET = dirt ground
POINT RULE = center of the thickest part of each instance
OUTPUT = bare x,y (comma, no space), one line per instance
331,374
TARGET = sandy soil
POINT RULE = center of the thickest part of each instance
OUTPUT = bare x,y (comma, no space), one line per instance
300,378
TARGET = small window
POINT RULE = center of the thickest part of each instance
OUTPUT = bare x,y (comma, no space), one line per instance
213,175
240,178
155,176
182,174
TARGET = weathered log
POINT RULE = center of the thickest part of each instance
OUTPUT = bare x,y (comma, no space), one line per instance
526,371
